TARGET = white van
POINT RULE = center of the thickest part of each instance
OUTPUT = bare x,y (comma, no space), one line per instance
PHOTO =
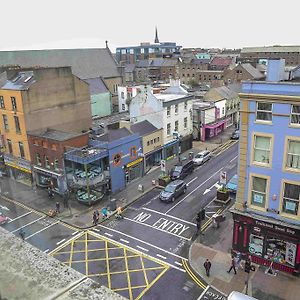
239,296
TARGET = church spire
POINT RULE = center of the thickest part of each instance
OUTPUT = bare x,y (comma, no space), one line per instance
156,36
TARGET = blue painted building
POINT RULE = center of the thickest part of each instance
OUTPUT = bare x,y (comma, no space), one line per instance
267,213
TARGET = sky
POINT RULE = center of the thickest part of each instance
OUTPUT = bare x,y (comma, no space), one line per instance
36,24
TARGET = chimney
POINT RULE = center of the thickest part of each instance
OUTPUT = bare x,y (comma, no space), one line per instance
275,70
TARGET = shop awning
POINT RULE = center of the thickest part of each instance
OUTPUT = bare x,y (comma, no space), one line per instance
216,125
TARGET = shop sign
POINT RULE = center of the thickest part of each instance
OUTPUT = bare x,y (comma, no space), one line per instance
276,227
133,163
19,164
46,172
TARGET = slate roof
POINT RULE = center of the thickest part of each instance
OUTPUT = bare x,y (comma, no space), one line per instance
97,86
20,81
224,92
143,128
129,68
255,73
85,63
114,134
144,63
271,49
221,61
55,135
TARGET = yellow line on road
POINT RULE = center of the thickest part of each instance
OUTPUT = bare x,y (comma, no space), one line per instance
134,287
128,275
107,266
144,271
71,253
192,275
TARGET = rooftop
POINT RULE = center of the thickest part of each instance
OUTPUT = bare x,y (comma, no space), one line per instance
271,49
55,135
20,81
143,128
114,134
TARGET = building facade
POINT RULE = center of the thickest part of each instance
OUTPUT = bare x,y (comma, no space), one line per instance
266,214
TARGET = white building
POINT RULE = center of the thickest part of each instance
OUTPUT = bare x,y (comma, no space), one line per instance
125,93
170,110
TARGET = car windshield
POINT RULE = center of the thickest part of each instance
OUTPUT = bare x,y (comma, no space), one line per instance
170,188
177,168
199,156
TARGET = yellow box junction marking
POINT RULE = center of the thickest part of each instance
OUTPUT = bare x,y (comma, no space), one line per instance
129,263
192,275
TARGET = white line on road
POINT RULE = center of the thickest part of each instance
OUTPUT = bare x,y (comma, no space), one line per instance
164,214
95,229
191,181
124,241
46,251
75,232
21,216
41,230
60,242
163,257
28,224
142,248
108,234
199,186
165,231
178,263
234,158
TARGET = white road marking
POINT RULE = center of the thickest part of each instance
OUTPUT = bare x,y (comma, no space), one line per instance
142,248
124,241
46,251
95,229
198,187
191,181
206,191
108,234
234,158
163,257
4,207
28,237
21,216
178,263
28,224
60,242
75,232
153,227
214,206
164,214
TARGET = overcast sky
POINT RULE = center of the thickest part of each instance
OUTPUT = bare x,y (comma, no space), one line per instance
36,24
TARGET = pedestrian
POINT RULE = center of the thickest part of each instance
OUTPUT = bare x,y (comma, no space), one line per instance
207,266
104,212
49,192
22,234
65,198
95,218
57,206
119,213
232,265
238,259
97,213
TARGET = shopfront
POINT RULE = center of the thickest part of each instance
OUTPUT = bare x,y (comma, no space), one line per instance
152,158
170,150
268,242
211,130
134,170
18,169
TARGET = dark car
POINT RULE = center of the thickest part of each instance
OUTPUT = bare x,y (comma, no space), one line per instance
235,135
173,190
181,171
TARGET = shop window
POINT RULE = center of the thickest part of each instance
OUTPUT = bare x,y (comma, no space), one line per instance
133,151
44,144
169,129
5,122
2,105
185,123
38,159
291,199
47,163
256,243
176,109
295,115
264,111
258,191
17,124
293,155
9,145
262,149
21,149
117,158
53,147
176,126
13,103
56,165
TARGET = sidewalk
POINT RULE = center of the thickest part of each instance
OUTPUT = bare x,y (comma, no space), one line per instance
216,246
80,215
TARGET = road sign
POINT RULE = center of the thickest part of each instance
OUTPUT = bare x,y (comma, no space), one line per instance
163,165
223,177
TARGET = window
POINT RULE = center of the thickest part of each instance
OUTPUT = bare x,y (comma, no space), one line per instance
17,124
258,191
168,111
123,106
158,139
38,159
133,152
148,143
185,123
291,198
2,105
151,142
5,122
56,166
264,111
293,155
47,164
9,145
185,105
154,141
262,147
13,103
36,142
176,126
168,128
117,159
53,147
21,149
44,144
295,114
176,109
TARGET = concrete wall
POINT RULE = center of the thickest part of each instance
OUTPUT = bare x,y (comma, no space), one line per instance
101,104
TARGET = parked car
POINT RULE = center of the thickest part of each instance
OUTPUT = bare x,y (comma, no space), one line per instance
235,135
3,218
201,157
181,171
232,184
173,190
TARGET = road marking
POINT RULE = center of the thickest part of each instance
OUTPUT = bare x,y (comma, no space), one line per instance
28,224
157,228
163,257
125,241
4,207
234,158
108,234
199,186
164,214
41,230
206,191
191,181
75,232
21,216
95,229
142,248
60,242
178,263
46,251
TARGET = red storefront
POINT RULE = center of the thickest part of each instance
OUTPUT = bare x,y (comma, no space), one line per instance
268,241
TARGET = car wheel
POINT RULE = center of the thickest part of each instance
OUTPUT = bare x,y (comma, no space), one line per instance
173,199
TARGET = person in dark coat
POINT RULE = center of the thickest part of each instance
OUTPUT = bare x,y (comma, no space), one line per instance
95,218
207,266
57,207
232,265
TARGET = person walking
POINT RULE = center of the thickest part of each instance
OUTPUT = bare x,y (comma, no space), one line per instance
207,266
232,265
104,212
22,234
95,218
119,213
57,207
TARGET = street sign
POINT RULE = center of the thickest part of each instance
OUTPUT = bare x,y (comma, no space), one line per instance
163,165
223,177
211,294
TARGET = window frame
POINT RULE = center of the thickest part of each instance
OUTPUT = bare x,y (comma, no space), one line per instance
176,126
185,123
38,159
56,164
14,103
2,103
5,122
282,212
17,124
297,114
21,150
285,168
257,163
168,129
266,111
169,111
9,146
133,152
47,162
176,109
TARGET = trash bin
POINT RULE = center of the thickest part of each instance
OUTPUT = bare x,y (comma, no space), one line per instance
191,155
113,204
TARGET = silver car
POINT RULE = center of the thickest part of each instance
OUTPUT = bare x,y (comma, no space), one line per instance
201,157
